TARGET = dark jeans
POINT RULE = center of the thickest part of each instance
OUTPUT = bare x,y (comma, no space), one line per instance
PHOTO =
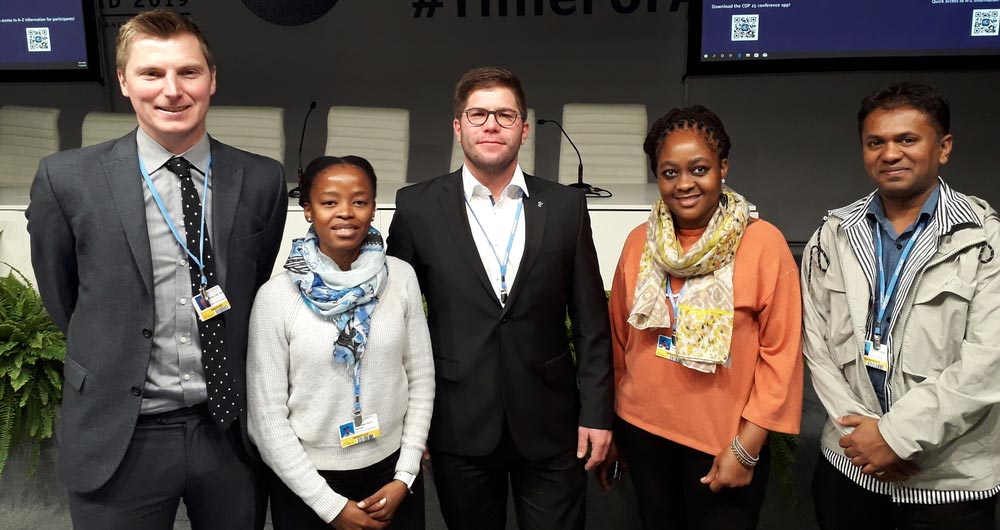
666,478
288,512
179,454
842,504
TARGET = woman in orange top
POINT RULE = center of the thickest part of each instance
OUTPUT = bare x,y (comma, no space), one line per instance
706,323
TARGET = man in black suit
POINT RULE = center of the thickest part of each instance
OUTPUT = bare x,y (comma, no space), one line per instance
502,257
122,240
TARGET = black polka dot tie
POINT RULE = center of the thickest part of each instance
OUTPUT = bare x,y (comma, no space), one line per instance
220,373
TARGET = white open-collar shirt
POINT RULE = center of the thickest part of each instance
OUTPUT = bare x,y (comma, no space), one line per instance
496,215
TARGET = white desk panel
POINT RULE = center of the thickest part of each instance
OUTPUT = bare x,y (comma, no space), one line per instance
611,218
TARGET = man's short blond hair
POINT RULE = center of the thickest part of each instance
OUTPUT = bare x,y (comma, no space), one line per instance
160,24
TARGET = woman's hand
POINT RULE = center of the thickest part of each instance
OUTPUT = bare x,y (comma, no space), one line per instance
354,518
425,462
606,470
382,504
727,472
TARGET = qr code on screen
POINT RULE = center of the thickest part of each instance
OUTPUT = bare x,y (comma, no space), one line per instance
984,22
38,40
745,27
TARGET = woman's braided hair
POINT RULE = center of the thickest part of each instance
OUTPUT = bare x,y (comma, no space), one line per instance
696,118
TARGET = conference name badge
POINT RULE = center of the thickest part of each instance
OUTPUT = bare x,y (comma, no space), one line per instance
876,356
213,303
665,348
351,434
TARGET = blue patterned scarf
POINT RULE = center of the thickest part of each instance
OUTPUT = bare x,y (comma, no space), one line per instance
346,298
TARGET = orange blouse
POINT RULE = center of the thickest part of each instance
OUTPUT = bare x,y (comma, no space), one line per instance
763,383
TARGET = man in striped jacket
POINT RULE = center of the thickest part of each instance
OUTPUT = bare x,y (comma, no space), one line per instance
901,332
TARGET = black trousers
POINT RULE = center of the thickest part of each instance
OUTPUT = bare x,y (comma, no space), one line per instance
842,504
177,455
666,478
549,494
289,512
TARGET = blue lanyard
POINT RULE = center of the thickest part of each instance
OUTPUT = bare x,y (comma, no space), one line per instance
357,393
170,223
884,292
675,299
510,243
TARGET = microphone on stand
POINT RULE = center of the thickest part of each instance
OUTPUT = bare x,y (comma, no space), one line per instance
297,190
589,190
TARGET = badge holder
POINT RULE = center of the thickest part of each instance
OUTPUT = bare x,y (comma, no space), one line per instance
210,303
876,355
362,428
367,430
876,352
665,348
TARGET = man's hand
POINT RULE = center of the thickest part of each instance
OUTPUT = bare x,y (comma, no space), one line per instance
598,440
868,450
727,472
902,470
605,469
382,504
354,518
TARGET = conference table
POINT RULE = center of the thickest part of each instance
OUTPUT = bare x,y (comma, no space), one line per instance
612,219
14,249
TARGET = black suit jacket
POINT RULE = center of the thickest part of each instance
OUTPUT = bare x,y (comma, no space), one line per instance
91,256
494,363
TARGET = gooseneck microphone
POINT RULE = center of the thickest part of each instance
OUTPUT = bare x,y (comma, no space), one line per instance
296,191
589,190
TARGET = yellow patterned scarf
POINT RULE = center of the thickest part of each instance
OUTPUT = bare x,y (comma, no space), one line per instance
704,328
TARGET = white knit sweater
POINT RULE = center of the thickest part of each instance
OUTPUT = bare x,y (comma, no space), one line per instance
297,397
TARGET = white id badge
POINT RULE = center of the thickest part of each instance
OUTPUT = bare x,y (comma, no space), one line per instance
216,304
876,357
351,434
665,348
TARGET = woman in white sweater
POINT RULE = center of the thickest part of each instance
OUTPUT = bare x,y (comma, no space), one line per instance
340,376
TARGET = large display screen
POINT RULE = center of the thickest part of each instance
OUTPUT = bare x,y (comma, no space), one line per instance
728,36
48,40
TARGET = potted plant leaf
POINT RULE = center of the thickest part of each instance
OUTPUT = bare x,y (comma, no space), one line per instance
32,350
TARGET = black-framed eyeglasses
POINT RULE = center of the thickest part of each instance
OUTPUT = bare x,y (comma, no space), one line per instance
505,117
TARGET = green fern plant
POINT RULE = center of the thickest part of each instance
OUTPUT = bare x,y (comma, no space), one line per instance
32,350
783,447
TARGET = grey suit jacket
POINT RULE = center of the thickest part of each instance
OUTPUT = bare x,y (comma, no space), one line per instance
91,256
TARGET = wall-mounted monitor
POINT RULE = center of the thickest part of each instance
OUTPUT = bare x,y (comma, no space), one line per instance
49,40
727,36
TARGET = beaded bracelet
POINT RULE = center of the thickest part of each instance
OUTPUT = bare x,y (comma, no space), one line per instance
741,454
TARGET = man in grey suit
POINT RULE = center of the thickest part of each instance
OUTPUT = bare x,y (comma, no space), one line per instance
130,239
